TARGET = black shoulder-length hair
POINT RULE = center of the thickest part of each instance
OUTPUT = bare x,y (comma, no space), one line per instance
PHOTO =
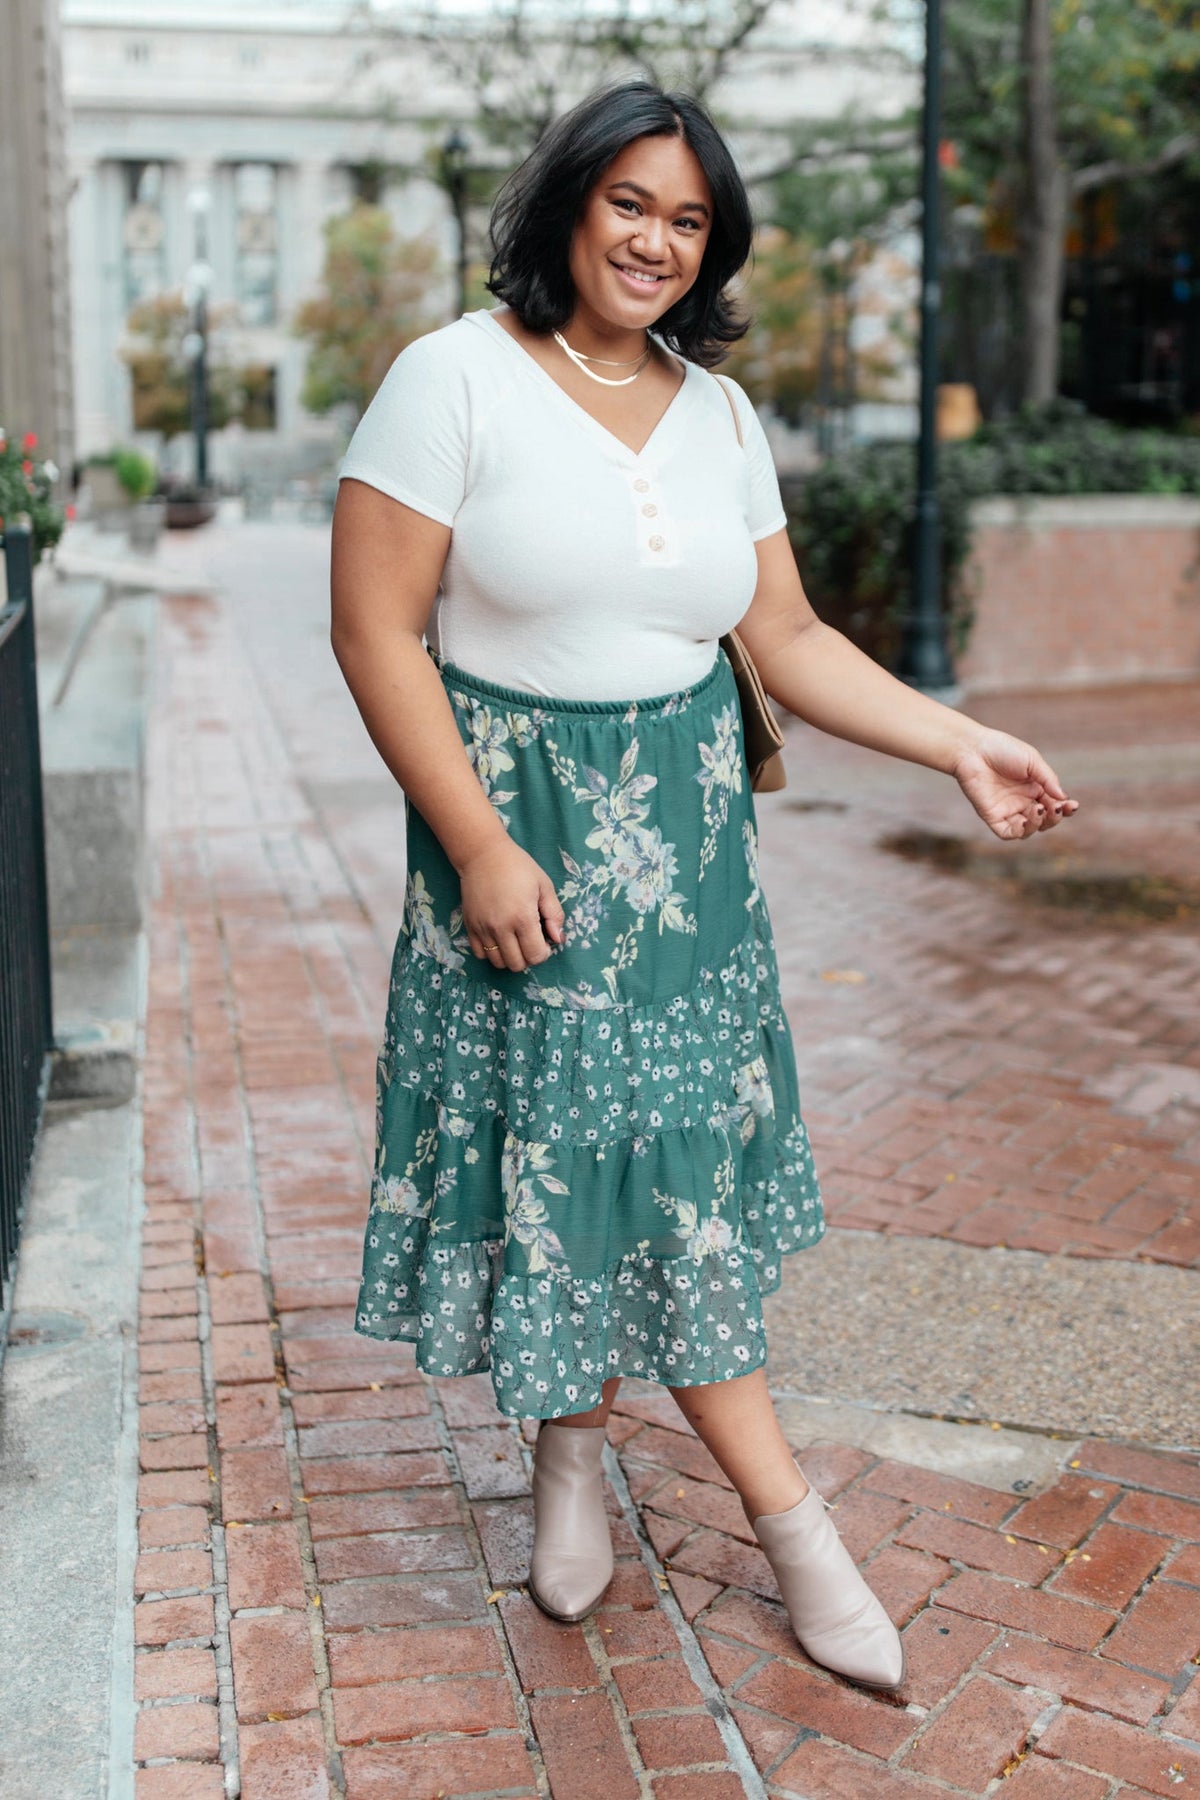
535,212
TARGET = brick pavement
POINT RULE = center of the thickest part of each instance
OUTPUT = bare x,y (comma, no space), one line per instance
329,1595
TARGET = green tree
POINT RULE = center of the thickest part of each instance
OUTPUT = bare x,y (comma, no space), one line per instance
1050,100
161,370
375,300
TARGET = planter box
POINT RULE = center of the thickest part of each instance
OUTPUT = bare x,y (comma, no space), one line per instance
1074,591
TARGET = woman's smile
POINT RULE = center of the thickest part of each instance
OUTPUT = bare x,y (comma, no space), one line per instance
639,281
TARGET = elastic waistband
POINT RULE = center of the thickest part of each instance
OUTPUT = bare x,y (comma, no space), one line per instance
525,701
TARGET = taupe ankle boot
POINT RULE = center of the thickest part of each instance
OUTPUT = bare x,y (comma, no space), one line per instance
833,1612
572,1560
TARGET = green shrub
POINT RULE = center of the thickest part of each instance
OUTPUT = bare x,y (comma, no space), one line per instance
850,521
135,472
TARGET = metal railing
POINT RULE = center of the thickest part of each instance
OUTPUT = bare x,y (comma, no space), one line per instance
25,1015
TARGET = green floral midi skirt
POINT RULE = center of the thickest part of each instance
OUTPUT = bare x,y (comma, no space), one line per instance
594,1167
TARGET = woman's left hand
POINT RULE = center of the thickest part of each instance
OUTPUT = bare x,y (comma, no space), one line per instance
1012,788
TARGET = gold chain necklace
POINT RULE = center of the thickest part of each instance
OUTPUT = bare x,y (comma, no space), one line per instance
581,362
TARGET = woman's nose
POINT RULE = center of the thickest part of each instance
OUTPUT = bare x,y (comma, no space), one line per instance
649,238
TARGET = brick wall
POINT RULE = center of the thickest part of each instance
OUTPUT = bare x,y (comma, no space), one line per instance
1068,591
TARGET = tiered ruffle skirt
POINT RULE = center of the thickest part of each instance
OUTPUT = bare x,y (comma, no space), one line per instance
595,1167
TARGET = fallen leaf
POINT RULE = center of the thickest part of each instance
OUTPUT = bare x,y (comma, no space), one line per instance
852,977
496,1594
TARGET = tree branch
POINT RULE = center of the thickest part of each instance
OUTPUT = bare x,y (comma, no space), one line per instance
1177,150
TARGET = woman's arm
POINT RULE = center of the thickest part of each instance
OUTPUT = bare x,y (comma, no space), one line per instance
818,674
387,562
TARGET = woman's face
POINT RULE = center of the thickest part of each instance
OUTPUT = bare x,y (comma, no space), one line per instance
639,241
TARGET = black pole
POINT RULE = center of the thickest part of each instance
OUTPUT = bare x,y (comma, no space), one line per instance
460,216
924,659
455,152
201,398
200,360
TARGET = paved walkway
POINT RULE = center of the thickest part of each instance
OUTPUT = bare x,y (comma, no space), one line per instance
330,1596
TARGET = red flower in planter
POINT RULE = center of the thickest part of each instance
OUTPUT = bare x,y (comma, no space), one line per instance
27,467
29,441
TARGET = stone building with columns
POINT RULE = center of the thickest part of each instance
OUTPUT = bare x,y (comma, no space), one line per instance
278,111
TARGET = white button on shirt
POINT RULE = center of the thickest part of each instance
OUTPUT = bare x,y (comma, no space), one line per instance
554,581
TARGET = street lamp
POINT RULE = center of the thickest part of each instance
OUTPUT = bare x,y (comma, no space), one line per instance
455,152
195,344
924,660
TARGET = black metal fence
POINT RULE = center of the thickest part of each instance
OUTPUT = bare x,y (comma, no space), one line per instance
25,1017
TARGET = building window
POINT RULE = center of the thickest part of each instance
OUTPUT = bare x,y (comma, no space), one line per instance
256,271
258,388
143,240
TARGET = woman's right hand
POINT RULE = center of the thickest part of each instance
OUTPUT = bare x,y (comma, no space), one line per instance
507,899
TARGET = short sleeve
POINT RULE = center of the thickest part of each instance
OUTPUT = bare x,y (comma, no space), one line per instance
766,513
413,440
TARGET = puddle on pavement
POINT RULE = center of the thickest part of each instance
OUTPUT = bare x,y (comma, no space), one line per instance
1056,882
799,804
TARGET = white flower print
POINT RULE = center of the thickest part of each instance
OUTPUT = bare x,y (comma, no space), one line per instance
720,776
750,846
525,1216
446,946
399,1194
489,734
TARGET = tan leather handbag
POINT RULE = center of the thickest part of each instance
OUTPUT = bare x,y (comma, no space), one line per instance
760,728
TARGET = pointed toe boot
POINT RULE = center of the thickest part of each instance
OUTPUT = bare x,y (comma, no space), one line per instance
838,1620
572,1561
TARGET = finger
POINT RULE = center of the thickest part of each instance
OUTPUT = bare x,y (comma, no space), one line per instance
484,943
1040,769
551,912
511,954
532,941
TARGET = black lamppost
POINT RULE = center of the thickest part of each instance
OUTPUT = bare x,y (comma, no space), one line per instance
924,660
455,151
196,342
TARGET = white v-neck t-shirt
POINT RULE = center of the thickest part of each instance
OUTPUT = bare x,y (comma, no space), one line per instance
577,568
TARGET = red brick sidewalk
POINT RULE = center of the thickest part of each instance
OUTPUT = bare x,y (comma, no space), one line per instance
333,1547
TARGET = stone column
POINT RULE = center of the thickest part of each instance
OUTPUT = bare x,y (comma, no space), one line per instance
35,309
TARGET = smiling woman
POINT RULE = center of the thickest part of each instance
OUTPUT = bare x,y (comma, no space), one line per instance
590,1156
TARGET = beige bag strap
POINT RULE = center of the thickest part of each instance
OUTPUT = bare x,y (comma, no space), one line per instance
728,393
